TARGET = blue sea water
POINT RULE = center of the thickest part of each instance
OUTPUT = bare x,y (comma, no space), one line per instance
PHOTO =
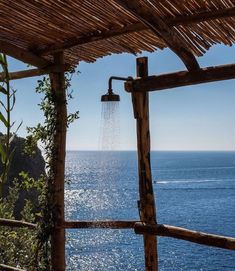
195,190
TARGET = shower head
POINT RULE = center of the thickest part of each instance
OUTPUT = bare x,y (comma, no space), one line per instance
110,97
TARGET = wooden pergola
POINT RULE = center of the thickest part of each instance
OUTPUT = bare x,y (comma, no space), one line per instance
54,35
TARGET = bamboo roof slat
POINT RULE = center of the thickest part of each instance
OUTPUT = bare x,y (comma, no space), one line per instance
90,29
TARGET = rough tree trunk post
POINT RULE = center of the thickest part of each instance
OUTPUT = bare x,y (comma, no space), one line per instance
58,235
146,204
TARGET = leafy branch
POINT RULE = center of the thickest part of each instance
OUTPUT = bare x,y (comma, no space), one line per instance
8,95
45,133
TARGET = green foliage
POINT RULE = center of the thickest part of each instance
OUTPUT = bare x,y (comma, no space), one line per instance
45,133
7,103
22,247
16,245
19,246
5,120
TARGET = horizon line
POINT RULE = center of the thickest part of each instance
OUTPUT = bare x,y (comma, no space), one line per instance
152,150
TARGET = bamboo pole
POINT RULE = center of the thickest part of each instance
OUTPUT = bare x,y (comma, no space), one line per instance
135,27
187,235
99,224
16,223
146,203
58,166
169,35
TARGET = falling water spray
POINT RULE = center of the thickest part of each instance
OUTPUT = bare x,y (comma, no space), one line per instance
110,126
110,118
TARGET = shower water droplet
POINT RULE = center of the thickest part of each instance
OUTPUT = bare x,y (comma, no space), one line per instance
110,127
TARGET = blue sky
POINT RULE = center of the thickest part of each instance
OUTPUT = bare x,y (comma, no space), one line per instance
198,117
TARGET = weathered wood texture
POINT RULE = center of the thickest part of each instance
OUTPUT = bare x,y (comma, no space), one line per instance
200,17
23,55
37,26
16,223
89,38
34,72
187,235
147,16
4,267
136,27
99,224
58,166
146,202
182,78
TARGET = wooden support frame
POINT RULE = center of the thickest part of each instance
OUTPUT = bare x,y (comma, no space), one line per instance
58,166
99,36
90,37
148,225
34,72
182,78
160,28
163,230
202,17
146,203
187,235
99,224
23,55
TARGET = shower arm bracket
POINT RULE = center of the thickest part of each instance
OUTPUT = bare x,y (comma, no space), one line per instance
110,90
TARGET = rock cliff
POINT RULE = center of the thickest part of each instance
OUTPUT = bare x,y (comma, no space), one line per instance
34,165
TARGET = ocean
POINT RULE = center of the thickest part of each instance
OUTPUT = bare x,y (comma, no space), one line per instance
195,190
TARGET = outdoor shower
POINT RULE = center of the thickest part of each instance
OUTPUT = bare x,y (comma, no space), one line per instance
110,96
110,118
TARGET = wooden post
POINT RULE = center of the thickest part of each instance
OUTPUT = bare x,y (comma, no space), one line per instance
58,166
146,204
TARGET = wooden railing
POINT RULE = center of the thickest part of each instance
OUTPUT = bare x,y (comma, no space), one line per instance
4,267
202,238
163,230
99,224
16,223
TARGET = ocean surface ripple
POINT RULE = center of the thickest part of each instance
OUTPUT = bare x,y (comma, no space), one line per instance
195,190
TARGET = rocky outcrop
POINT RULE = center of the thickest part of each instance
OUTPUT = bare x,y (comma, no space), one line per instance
34,165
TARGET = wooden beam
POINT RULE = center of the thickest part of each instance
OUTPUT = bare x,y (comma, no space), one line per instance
91,37
148,17
201,17
34,72
16,223
4,267
103,35
187,235
58,166
146,203
23,55
99,224
180,79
